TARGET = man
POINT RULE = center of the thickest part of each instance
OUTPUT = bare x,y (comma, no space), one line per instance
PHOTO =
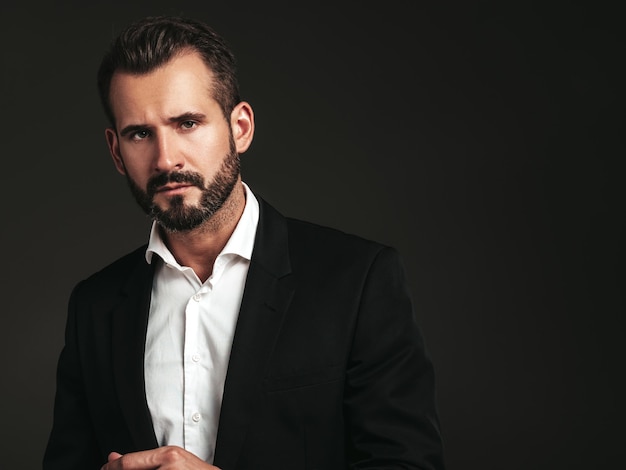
237,338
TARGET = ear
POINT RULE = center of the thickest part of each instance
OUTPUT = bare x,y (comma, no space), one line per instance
242,125
114,148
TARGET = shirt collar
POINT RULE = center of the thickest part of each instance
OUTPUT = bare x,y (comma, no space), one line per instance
240,242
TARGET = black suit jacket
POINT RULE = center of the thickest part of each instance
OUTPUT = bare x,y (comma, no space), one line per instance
328,368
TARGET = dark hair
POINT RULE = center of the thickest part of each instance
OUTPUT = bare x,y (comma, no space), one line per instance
151,42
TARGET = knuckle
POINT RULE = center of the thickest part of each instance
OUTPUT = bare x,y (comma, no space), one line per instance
172,454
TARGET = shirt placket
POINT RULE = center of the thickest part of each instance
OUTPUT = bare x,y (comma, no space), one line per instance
192,409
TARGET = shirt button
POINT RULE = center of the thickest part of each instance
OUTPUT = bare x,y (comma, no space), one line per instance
195,357
195,417
196,297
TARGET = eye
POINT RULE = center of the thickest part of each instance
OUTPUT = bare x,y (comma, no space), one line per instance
140,135
188,124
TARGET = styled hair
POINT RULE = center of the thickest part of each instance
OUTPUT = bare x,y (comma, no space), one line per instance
151,42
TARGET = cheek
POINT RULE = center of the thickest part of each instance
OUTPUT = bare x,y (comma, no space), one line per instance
136,174
207,156
135,164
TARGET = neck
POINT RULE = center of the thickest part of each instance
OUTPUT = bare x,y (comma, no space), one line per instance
198,248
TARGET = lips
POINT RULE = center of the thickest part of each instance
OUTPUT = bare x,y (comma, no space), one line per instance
172,187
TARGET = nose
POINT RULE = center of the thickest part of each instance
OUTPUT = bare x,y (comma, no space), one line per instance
167,155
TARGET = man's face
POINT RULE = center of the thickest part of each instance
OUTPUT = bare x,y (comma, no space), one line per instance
173,143
179,215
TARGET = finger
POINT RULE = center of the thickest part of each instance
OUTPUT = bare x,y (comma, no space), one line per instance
143,460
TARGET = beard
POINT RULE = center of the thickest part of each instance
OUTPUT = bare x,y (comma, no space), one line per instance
178,216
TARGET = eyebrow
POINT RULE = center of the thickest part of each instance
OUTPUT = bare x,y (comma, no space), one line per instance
188,117
182,117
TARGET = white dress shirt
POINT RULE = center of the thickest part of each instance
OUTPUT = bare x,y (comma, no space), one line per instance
190,333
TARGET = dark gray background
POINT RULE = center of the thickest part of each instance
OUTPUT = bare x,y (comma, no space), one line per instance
481,140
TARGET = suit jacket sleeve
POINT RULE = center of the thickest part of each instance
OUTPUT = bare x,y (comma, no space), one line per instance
389,399
72,443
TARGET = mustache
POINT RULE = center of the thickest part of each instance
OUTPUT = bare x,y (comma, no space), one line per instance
187,177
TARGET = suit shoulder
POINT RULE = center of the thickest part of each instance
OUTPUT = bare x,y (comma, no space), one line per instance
316,238
117,272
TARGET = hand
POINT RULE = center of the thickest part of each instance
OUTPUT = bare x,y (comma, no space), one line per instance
162,458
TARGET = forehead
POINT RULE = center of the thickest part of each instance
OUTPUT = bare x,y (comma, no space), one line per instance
183,81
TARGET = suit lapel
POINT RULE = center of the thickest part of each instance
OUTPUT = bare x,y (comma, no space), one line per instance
130,321
267,295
